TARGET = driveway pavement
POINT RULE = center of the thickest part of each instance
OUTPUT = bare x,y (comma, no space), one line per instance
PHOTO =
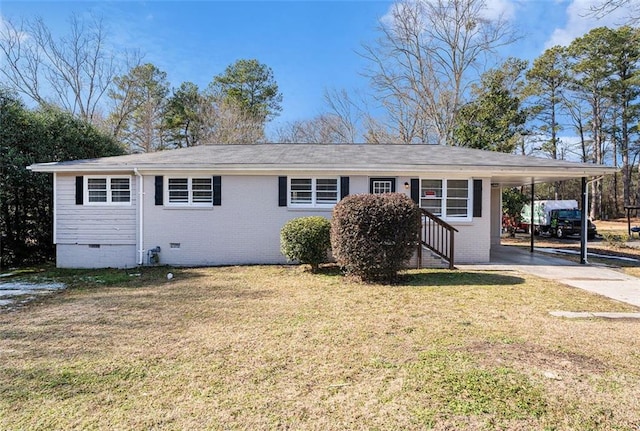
598,279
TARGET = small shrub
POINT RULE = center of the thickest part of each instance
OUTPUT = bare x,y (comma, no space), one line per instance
306,240
616,240
372,236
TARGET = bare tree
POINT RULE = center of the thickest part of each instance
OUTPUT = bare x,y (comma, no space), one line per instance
607,7
347,114
227,123
377,133
73,72
324,128
428,54
140,98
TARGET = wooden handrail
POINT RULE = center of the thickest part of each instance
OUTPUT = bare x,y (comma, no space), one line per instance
438,236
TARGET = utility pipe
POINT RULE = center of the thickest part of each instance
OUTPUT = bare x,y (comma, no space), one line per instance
140,216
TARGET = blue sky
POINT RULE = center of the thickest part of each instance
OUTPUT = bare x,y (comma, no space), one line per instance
310,45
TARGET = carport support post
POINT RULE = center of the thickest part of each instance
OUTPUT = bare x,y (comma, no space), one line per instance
583,220
531,227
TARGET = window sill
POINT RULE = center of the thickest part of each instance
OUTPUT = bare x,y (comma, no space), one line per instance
454,222
107,204
188,207
319,209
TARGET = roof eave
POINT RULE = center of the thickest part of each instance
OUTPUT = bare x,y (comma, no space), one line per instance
564,172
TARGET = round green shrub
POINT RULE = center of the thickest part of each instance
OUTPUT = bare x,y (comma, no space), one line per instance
306,240
373,236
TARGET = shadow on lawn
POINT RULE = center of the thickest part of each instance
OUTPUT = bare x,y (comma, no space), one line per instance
438,277
459,278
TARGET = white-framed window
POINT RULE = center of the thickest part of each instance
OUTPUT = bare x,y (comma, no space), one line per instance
446,198
107,190
382,185
189,191
314,192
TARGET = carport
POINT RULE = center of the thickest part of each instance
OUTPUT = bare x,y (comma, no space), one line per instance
530,176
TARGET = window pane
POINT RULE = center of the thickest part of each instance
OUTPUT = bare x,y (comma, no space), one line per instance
301,190
457,188
178,183
326,191
457,198
120,190
434,206
178,190
97,183
431,196
119,183
120,196
456,207
97,188
431,189
202,189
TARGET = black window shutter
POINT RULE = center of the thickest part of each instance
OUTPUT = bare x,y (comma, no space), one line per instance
282,191
477,198
79,190
415,190
344,187
217,190
159,190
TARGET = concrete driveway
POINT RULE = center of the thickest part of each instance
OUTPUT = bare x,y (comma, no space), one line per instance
598,279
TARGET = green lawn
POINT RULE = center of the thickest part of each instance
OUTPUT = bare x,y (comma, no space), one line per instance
257,348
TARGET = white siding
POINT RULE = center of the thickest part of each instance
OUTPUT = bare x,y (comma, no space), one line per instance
77,226
105,256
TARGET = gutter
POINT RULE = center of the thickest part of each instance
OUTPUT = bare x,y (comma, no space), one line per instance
140,241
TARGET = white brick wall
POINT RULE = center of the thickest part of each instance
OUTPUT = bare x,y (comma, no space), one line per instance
245,229
473,239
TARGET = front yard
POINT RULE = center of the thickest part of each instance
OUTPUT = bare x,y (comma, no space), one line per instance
278,348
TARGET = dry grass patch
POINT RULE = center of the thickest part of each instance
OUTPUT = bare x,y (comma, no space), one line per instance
279,348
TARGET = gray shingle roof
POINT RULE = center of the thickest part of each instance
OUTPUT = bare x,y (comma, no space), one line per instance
337,158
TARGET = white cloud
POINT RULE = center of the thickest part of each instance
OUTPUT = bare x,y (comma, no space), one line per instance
493,10
580,21
499,9
7,28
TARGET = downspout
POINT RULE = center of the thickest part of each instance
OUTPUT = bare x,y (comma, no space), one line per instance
140,216
55,209
584,229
